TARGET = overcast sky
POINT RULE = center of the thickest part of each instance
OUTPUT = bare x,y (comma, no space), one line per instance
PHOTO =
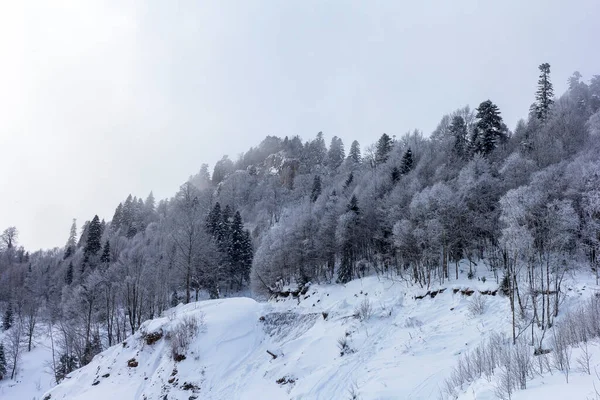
102,99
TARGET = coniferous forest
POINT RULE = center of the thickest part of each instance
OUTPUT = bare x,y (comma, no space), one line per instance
290,212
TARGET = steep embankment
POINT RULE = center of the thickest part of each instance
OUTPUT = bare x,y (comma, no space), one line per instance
398,347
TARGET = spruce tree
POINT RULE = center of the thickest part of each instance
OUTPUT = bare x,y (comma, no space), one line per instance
353,205
236,250
105,257
336,154
544,97
93,245
384,146
316,189
2,362
7,320
458,129
489,129
354,154
72,241
69,274
117,218
317,151
349,181
345,272
247,256
213,220
396,175
407,162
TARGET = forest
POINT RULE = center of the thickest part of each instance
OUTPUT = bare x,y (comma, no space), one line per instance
289,212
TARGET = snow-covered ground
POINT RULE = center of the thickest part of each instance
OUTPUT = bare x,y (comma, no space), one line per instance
403,350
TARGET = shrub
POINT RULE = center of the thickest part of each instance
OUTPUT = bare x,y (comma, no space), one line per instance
364,311
153,337
183,333
477,305
344,346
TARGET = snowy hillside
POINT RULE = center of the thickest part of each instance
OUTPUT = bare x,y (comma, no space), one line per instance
402,348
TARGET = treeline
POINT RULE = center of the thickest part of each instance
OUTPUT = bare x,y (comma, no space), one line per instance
288,212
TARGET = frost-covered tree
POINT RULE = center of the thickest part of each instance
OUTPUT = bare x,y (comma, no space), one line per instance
544,97
489,129
384,146
316,189
336,153
2,361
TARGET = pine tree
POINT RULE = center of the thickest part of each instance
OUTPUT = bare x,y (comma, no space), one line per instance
396,175
7,320
236,250
353,205
354,155
127,215
105,257
317,151
117,219
213,220
247,256
93,245
316,189
349,181
545,94
489,129
2,362
384,146
84,234
69,274
407,162
336,154
149,204
72,241
458,129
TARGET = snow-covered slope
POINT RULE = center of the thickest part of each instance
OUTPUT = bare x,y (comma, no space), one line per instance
403,350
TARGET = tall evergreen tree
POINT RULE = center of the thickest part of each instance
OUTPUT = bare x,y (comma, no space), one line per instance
2,362
236,251
353,205
349,181
354,155
407,162
93,245
384,146
72,241
7,319
117,218
69,274
489,129
458,129
105,257
316,189
213,220
396,175
336,154
544,97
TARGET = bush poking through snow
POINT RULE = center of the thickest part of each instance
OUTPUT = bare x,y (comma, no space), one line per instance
412,322
132,363
153,337
364,311
477,305
344,346
183,333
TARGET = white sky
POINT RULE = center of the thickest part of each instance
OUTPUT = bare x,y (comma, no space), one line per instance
102,99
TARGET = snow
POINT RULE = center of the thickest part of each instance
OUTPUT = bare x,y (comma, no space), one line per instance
405,349
34,376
